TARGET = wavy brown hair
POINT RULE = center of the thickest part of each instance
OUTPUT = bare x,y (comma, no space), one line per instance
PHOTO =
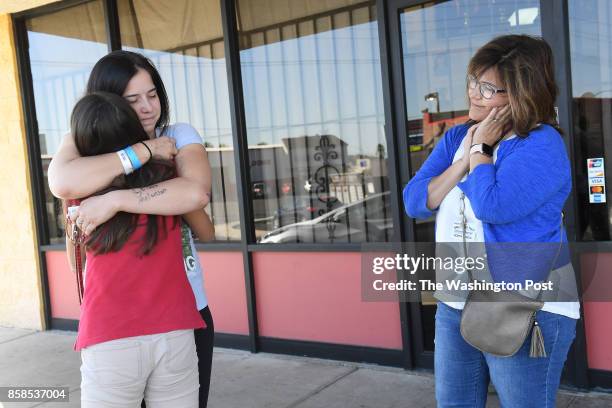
525,67
103,122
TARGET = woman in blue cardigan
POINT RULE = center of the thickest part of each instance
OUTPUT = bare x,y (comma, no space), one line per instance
504,176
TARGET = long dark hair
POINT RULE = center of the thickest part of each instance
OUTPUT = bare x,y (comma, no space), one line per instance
525,67
104,122
113,72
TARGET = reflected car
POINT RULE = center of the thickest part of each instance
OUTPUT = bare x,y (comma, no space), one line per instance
366,220
303,209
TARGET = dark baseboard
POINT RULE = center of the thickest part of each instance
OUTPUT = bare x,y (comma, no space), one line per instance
233,341
600,379
343,352
425,360
64,324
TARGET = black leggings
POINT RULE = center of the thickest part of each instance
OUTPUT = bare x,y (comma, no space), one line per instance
204,340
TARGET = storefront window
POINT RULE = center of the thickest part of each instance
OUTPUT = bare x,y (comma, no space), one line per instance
61,58
590,25
184,39
315,122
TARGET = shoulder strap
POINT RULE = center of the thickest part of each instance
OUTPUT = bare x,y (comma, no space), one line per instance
76,237
78,262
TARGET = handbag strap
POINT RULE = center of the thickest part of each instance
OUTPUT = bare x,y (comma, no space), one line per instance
78,260
77,238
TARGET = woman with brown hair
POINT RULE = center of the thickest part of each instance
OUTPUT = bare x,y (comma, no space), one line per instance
503,177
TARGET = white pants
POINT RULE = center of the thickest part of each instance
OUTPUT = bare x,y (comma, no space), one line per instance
162,368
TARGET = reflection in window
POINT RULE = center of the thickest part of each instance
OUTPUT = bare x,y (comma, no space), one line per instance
314,115
591,58
61,58
184,39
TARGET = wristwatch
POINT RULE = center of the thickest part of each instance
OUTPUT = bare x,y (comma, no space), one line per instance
482,148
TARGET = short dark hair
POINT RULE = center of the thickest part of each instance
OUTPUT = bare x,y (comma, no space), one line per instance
113,72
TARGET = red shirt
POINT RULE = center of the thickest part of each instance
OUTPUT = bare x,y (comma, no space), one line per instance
128,294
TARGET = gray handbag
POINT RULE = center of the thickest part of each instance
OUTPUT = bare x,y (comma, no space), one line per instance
499,322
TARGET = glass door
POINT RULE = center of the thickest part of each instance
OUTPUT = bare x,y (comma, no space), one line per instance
432,43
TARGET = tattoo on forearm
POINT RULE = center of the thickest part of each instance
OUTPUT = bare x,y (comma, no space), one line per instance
147,193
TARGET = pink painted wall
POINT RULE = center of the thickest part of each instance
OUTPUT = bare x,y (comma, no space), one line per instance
317,297
224,283
223,279
597,284
62,286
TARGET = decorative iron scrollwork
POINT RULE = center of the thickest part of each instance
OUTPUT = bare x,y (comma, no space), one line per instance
323,177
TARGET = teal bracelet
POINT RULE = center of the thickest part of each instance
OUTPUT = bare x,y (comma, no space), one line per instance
136,164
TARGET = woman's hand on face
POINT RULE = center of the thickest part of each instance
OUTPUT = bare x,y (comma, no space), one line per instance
467,145
491,128
162,148
94,211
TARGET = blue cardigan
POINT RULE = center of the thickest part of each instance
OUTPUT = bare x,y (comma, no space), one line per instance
518,199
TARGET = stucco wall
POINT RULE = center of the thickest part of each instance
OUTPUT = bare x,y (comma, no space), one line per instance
20,286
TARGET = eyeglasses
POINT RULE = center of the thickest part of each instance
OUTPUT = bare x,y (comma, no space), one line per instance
487,90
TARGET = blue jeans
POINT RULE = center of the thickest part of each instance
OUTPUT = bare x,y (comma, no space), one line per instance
462,372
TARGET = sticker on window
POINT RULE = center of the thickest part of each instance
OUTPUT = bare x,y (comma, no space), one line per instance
597,180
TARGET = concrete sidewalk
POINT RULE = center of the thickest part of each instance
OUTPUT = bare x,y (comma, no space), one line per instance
245,380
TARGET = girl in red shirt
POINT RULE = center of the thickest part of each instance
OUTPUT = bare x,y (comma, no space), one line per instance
138,312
